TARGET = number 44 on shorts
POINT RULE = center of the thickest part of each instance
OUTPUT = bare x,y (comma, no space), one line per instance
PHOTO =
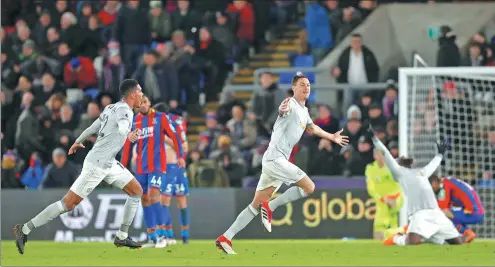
157,181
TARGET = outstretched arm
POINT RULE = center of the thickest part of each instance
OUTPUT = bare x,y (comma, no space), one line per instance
336,137
392,164
172,134
442,148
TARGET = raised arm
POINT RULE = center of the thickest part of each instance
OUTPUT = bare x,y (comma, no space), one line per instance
392,164
442,147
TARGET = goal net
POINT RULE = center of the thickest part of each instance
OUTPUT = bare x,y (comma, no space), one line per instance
458,103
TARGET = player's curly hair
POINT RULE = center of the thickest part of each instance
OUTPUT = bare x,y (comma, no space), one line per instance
297,77
405,162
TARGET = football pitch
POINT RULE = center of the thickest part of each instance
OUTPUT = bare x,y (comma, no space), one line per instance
251,253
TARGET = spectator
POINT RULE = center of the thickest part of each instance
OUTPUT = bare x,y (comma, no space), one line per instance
61,173
23,34
390,102
353,112
364,105
7,45
242,130
243,14
376,117
211,53
25,85
72,33
10,76
108,14
132,31
156,79
226,103
50,47
448,52
394,149
230,159
95,37
318,30
186,19
27,138
392,130
33,176
36,64
332,8
475,58
205,173
366,7
325,160
27,52
67,119
345,21
160,22
480,39
209,138
84,14
326,121
357,64
54,104
490,57
64,54
112,73
354,130
265,102
223,32
104,100
61,6
40,31
365,152
48,135
80,73
48,87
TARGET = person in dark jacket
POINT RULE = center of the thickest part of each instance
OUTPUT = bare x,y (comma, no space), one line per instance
157,78
186,19
349,70
448,52
72,33
61,173
326,120
318,29
133,32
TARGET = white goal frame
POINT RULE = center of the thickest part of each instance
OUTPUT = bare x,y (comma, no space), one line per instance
404,100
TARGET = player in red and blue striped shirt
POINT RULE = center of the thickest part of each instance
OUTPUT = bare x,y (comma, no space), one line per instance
460,202
151,162
176,184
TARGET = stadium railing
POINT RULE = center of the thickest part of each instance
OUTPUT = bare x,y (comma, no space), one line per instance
324,91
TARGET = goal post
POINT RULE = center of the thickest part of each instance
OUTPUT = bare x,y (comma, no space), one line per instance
454,102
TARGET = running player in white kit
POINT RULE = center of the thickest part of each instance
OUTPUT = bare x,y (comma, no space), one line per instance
113,128
427,223
292,122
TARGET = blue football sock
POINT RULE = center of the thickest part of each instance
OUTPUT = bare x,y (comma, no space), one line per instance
168,222
159,218
149,220
461,228
184,221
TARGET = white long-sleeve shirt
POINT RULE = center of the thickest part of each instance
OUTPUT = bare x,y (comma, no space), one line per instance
414,182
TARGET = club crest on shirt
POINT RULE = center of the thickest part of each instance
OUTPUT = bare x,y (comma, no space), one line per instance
441,194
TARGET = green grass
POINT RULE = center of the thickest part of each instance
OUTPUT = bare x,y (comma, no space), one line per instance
251,252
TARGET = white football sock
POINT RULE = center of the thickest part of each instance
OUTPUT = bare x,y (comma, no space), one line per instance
131,205
292,194
400,240
242,220
46,215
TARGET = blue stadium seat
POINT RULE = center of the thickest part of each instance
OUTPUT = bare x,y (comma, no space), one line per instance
303,61
154,45
92,92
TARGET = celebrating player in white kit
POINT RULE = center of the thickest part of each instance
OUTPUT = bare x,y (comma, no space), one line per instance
113,128
292,122
427,223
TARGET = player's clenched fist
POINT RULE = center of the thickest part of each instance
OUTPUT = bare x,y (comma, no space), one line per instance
133,136
284,107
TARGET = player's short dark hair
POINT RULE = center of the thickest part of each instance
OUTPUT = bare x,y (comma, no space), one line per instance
405,162
127,86
434,178
296,78
161,107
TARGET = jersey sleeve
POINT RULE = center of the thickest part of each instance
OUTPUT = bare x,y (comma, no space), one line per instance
310,121
168,129
391,163
444,196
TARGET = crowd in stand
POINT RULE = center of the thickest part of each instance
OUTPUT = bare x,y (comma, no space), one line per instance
62,62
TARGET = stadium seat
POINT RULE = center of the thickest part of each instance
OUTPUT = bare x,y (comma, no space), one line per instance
303,61
92,92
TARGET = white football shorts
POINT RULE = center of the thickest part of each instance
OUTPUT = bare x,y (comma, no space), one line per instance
433,226
276,172
91,176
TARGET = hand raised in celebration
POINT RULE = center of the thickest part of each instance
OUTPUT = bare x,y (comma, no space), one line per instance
284,107
341,140
75,147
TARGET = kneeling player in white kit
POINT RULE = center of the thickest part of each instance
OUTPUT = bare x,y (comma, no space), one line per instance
427,223
292,122
113,128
